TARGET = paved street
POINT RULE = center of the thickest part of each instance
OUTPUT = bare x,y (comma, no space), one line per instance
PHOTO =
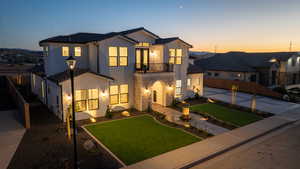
243,99
279,150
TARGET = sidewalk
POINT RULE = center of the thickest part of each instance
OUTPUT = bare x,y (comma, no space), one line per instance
196,153
263,103
173,115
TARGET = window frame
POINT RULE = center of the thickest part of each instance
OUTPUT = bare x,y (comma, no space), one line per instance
62,51
178,57
110,95
188,82
176,88
93,99
127,94
109,56
80,51
119,54
81,100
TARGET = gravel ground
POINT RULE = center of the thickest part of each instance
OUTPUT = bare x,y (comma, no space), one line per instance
45,146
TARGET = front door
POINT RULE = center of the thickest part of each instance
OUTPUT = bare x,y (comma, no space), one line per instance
142,59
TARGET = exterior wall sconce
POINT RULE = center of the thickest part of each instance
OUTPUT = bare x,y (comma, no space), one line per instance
68,97
147,91
103,93
170,87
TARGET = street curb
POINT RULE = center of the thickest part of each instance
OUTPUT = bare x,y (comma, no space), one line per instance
213,155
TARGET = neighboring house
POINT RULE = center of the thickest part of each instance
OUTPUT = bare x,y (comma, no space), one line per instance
268,69
120,70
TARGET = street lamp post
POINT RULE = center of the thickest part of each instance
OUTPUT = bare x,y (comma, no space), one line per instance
71,62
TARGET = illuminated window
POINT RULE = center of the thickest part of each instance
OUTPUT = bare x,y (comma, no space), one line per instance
65,51
80,100
112,54
77,51
178,56
171,56
188,82
93,99
86,100
178,88
123,56
114,94
124,93
143,44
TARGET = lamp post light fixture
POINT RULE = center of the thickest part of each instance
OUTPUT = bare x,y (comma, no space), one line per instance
71,62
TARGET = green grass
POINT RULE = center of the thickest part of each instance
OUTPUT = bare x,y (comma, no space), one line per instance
138,138
225,114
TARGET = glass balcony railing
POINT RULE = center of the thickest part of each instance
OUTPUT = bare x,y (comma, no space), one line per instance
155,67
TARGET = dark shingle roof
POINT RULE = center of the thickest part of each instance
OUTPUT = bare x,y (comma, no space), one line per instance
241,61
90,37
194,69
168,40
63,76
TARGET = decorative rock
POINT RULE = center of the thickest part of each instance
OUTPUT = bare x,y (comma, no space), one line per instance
89,145
125,113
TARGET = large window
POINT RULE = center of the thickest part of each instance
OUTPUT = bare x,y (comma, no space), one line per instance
123,56
86,100
178,88
77,51
188,82
178,56
118,94
114,52
172,56
175,56
143,44
124,93
113,56
114,94
65,51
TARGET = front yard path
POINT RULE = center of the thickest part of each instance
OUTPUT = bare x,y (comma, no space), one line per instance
197,121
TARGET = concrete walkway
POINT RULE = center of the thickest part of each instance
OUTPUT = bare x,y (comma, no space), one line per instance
196,153
11,133
197,121
244,99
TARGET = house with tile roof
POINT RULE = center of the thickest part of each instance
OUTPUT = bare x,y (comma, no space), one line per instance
120,70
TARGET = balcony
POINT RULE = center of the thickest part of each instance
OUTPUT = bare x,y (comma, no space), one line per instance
155,67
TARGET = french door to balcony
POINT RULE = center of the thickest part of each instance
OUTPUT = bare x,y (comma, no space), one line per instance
141,59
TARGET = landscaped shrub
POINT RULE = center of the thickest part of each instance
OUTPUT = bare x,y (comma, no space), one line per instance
109,113
175,102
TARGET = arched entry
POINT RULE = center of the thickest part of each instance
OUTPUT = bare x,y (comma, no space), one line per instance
158,93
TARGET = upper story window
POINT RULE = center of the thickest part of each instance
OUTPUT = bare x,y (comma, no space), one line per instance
123,56
46,50
114,52
77,51
175,56
113,56
65,51
143,44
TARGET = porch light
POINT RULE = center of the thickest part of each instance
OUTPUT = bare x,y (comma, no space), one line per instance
147,90
68,97
170,87
71,62
103,93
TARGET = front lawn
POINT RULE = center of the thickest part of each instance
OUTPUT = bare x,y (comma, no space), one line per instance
235,117
138,138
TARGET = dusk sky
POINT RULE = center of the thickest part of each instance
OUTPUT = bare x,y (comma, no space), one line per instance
231,25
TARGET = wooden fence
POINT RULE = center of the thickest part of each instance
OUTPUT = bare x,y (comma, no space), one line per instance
23,115
247,87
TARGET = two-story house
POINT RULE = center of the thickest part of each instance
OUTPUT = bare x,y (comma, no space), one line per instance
128,69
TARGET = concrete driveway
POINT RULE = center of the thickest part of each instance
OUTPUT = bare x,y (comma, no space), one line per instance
11,133
243,99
